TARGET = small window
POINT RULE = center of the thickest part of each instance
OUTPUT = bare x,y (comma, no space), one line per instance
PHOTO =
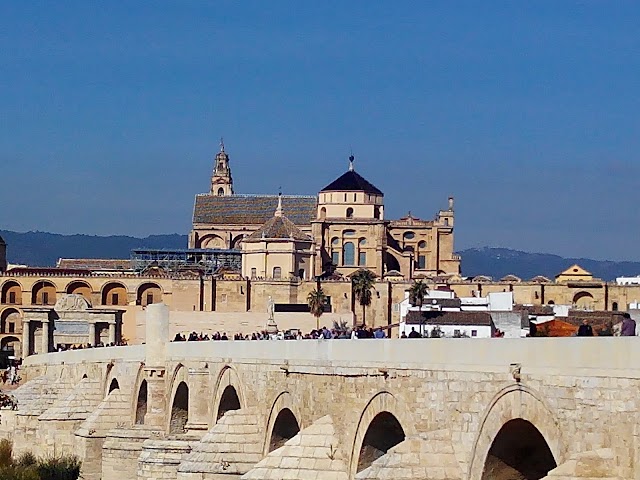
349,233
446,222
422,244
376,213
12,297
12,327
614,306
277,273
362,242
114,299
474,333
335,257
409,235
335,241
254,272
349,212
345,198
149,298
223,298
537,296
362,259
422,262
220,192
456,333
301,274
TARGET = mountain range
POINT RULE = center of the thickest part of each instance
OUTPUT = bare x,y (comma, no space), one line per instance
44,249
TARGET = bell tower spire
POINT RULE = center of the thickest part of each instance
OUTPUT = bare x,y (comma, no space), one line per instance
221,180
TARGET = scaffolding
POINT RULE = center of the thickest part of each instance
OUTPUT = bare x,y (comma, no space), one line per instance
208,261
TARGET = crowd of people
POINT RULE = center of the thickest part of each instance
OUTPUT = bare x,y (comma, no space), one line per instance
81,346
323,333
11,373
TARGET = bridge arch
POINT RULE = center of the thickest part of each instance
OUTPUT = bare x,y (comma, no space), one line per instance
229,394
283,422
517,420
384,422
139,397
178,400
111,382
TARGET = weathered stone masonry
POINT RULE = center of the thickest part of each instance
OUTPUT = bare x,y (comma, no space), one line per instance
341,409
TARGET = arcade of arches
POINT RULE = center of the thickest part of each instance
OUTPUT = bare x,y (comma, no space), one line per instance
364,418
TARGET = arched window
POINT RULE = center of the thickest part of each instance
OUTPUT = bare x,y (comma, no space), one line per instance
43,293
422,244
148,293
349,212
362,254
277,273
323,213
254,273
614,306
335,251
348,254
11,293
220,192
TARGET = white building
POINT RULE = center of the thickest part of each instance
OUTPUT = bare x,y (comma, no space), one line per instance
460,317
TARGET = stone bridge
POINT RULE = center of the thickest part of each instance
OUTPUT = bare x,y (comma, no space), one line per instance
463,409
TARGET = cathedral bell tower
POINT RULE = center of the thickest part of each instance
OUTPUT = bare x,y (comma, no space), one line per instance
221,181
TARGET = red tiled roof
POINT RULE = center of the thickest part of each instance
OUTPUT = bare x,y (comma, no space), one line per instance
278,228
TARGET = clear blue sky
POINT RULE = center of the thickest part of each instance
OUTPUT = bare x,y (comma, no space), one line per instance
526,112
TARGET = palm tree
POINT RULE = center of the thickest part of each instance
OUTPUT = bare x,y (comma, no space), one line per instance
416,297
316,300
362,283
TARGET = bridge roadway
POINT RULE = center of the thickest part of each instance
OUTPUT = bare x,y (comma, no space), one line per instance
472,409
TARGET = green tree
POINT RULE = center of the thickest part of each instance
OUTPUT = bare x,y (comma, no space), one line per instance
416,297
361,283
316,300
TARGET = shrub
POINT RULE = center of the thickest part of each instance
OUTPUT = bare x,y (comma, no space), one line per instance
27,459
66,467
6,450
28,467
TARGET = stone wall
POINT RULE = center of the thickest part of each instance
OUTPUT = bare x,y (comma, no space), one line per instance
465,389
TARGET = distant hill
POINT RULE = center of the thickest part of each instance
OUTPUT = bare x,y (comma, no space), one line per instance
498,262
43,250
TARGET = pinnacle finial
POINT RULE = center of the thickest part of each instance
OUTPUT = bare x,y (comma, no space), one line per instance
222,144
279,208
351,159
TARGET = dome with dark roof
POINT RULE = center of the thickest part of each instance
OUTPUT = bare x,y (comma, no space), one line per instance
352,182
